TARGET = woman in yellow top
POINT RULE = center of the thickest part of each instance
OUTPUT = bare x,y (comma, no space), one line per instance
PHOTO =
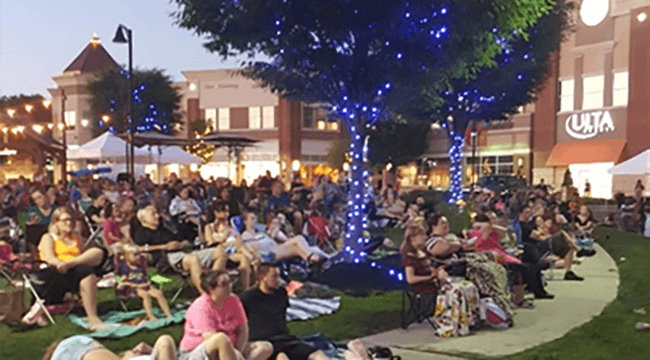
72,268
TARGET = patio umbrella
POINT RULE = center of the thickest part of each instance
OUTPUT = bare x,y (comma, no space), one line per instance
234,143
80,173
155,138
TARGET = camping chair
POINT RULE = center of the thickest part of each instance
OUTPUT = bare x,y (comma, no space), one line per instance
415,311
122,290
96,231
321,231
26,270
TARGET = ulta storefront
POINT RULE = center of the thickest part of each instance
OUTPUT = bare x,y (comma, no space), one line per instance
589,143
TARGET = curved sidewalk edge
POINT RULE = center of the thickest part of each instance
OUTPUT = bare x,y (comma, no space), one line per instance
575,303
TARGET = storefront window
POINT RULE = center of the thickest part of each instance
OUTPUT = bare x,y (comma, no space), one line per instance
566,95
505,169
620,92
593,87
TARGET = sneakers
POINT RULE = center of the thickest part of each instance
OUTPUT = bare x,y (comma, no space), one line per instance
544,296
586,252
570,275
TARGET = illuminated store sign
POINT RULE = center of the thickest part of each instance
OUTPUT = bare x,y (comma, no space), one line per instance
588,125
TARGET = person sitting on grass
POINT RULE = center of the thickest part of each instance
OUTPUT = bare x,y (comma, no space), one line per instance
72,268
488,236
151,236
94,213
583,222
134,278
228,244
558,246
216,326
82,347
277,244
186,211
266,310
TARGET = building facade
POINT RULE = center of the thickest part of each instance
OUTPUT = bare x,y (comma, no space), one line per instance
502,147
70,99
292,135
595,110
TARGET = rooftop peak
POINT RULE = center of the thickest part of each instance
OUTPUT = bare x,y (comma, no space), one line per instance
95,40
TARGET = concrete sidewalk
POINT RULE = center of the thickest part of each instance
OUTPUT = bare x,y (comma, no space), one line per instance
575,303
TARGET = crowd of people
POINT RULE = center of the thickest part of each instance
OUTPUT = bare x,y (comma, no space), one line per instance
208,231
513,237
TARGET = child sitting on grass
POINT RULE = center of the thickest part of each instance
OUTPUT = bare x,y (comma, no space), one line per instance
134,278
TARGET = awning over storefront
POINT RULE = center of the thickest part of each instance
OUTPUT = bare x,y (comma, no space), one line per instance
586,152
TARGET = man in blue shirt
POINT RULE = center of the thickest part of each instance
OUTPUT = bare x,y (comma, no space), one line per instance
279,201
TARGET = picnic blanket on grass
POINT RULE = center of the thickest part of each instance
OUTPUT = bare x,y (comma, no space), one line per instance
299,309
309,308
121,330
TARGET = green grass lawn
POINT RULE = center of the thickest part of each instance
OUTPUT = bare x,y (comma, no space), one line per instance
356,317
611,335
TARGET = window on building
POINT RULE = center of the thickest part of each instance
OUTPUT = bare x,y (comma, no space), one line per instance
211,118
254,117
268,117
592,89
505,165
566,95
332,125
321,124
70,118
224,119
307,117
620,93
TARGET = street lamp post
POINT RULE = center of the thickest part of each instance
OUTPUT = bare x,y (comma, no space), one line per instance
120,38
64,129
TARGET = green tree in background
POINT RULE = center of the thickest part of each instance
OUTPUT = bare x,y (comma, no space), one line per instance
156,101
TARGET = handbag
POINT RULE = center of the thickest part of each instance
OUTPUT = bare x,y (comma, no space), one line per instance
12,305
456,268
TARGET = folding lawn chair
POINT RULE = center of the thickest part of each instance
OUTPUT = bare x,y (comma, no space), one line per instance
416,312
21,271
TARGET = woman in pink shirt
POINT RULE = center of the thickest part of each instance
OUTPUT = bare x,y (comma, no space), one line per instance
487,239
216,326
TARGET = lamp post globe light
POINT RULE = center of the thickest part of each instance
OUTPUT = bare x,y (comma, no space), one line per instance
120,38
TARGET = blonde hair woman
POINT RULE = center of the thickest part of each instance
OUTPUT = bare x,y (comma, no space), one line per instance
72,267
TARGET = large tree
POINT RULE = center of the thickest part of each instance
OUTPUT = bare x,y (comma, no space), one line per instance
495,92
156,101
395,141
354,54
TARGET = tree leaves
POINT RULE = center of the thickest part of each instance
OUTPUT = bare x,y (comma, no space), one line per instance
156,106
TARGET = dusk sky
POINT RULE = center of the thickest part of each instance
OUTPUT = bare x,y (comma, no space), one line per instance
40,38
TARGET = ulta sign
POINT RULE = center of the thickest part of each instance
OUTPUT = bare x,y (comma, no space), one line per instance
588,125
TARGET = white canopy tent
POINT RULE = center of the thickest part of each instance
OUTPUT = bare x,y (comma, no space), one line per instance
627,173
165,155
638,165
107,147
171,155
